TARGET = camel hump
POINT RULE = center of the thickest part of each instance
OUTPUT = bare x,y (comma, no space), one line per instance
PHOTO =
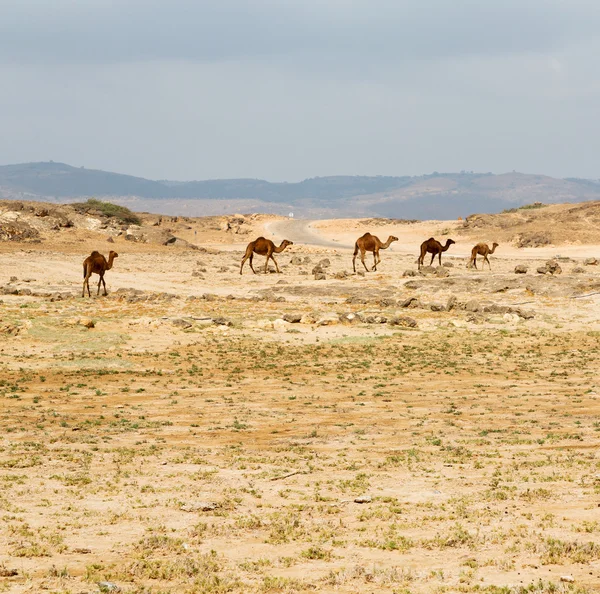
95,253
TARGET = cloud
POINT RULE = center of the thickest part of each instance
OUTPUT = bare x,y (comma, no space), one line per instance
326,31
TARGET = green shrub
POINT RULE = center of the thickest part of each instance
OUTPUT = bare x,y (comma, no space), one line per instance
108,209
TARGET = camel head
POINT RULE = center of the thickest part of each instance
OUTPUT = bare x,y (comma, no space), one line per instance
285,243
112,255
495,245
449,242
392,238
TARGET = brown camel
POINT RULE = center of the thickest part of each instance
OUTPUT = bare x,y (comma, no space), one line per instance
435,248
264,247
482,249
96,263
370,243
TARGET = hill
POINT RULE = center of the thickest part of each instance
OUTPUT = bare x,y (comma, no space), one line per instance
435,196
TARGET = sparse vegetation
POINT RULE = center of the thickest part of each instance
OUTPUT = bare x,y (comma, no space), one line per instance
108,209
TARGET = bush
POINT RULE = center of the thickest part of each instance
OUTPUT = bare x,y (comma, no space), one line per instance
108,209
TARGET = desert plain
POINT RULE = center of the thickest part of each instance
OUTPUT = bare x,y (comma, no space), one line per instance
318,430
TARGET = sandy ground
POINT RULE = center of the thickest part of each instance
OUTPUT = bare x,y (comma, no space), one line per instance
414,434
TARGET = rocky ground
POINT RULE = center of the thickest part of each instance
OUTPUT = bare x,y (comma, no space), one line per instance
320,430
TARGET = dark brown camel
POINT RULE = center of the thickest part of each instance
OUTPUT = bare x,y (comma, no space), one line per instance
96,263
435,248
482,249
263,247
370,243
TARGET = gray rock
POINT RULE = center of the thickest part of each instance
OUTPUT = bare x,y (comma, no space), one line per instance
375,319
553,267
542,270
578,270
341,275
108,587
436,307
296,260
403,321
324,263
320,276
473,305
496,309
220,321
524,313
451,303
590,262
316,269
181,323
521,269
410,302
409,273
110,240
426,270
292,318
441,272
349,318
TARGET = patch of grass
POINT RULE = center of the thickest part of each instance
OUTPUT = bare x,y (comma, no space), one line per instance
108,209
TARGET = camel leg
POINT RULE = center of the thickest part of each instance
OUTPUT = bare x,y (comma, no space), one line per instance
475,262
250,262
243,262
354,258
374,261
86,281
485,258
275,262
99,283
432,257
362,259
104,283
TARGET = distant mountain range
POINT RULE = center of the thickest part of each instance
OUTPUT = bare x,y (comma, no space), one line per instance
435,196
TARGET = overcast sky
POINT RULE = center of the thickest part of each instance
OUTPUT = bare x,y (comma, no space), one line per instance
289,89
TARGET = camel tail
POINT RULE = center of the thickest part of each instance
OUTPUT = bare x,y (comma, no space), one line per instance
356,248
84,272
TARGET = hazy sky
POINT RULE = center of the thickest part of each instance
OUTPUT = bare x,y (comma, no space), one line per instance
288,89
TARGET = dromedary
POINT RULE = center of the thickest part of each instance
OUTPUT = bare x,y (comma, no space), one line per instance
435,248
370,243
263,247
482,249
96,263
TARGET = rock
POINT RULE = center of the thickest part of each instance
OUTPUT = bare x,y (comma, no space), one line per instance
521,269
349,318
13,279
208,297
567,578
358,300
281,325
494,308
296,260
308,319
590,262
403,321
320,276
292,318
360,273
316,269
181,323
410,302
553,267
87,322
110,240
363,499
524,313
222,322
448,264
376,319
409,273
473,305
324,263
441,272
426,270
451,303
199,506
108,587
511,317
307,260
542,270
341,275
578,270
436,307
386,303
328,320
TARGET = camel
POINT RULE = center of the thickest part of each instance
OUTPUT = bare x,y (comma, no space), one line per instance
435,248
264,247
96,263
370,243
482,249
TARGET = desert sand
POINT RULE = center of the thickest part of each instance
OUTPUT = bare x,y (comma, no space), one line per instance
198,430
